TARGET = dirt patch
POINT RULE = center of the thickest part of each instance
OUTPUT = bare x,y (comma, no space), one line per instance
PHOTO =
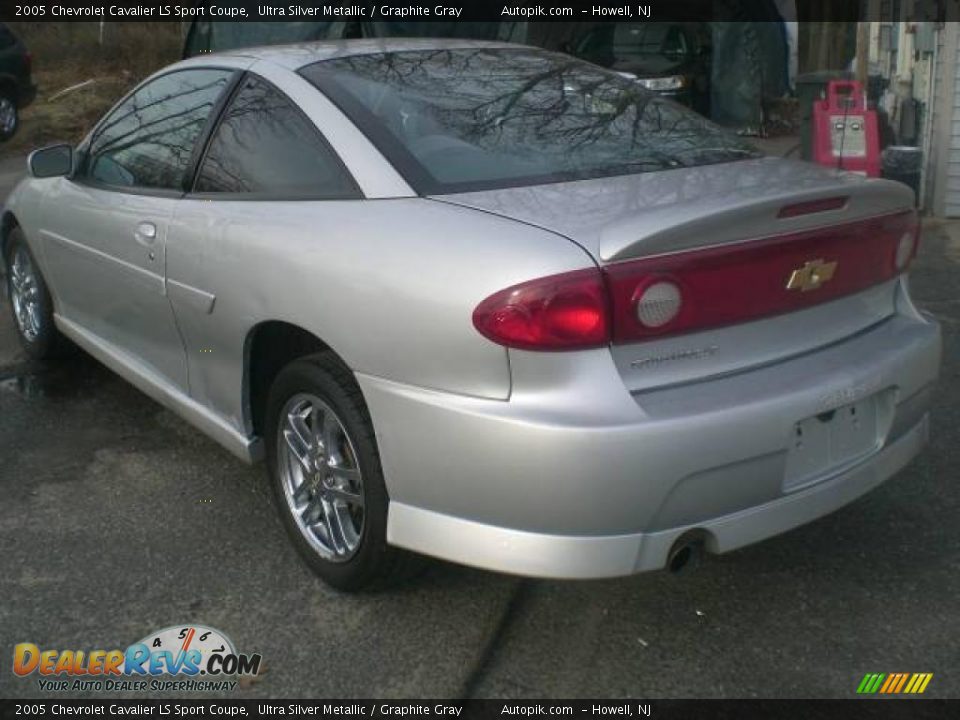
67,117
109,62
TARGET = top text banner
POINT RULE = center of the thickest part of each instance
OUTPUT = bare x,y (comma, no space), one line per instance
450,10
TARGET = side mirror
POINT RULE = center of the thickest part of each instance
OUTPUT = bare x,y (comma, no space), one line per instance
51,161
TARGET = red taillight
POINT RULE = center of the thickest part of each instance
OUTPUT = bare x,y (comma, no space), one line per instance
696,290
560,312
737,283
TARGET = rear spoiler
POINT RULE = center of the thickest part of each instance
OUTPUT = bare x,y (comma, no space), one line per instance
752,212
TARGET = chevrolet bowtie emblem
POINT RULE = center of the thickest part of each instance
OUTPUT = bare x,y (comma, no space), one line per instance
812,275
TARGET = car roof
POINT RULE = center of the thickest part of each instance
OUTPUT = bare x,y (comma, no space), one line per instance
298,55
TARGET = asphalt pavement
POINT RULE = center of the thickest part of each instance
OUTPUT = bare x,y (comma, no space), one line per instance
118,519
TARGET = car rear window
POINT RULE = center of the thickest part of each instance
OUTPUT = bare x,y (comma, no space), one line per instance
458,120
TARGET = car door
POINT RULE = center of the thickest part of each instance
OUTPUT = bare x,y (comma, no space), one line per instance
266,177
105,228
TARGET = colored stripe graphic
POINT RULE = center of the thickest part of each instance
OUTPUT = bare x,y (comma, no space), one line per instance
891,680
870,683
894,683
903,680
918,683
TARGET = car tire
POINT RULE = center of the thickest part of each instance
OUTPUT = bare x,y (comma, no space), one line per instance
9,116
347,543
30,303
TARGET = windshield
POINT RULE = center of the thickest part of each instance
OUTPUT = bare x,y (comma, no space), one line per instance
465,119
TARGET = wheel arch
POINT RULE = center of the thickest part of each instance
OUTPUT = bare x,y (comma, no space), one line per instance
7,224
269,346
8,85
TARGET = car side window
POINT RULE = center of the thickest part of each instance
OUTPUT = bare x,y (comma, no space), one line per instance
148,141
265,145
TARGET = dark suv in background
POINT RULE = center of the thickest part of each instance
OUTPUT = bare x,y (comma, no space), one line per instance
671,59
16,87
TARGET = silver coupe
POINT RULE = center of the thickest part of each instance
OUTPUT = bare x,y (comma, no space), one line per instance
483,302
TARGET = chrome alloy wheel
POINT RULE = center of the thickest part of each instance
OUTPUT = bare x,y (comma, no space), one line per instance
25,295
321,479
8,116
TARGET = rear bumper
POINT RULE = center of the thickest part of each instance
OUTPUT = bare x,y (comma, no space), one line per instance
583,557
576,478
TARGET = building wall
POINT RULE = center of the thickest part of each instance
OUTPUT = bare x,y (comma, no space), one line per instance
942,177
951,188
920,58
936,141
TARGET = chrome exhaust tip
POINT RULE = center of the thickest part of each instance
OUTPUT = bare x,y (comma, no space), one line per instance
686,554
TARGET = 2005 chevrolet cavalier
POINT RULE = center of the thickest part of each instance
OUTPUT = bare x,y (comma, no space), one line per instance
483,302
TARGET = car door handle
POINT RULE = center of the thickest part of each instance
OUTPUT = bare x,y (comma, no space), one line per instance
146,233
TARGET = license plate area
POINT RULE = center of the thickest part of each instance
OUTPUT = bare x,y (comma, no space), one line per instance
827,442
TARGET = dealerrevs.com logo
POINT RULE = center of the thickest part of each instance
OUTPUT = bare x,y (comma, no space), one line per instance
198,657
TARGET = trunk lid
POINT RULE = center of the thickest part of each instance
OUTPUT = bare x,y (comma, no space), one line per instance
621,219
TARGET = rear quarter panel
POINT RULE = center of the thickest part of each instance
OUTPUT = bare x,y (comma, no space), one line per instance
390,285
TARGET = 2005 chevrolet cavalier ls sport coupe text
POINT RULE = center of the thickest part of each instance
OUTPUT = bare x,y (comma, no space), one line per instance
483,302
